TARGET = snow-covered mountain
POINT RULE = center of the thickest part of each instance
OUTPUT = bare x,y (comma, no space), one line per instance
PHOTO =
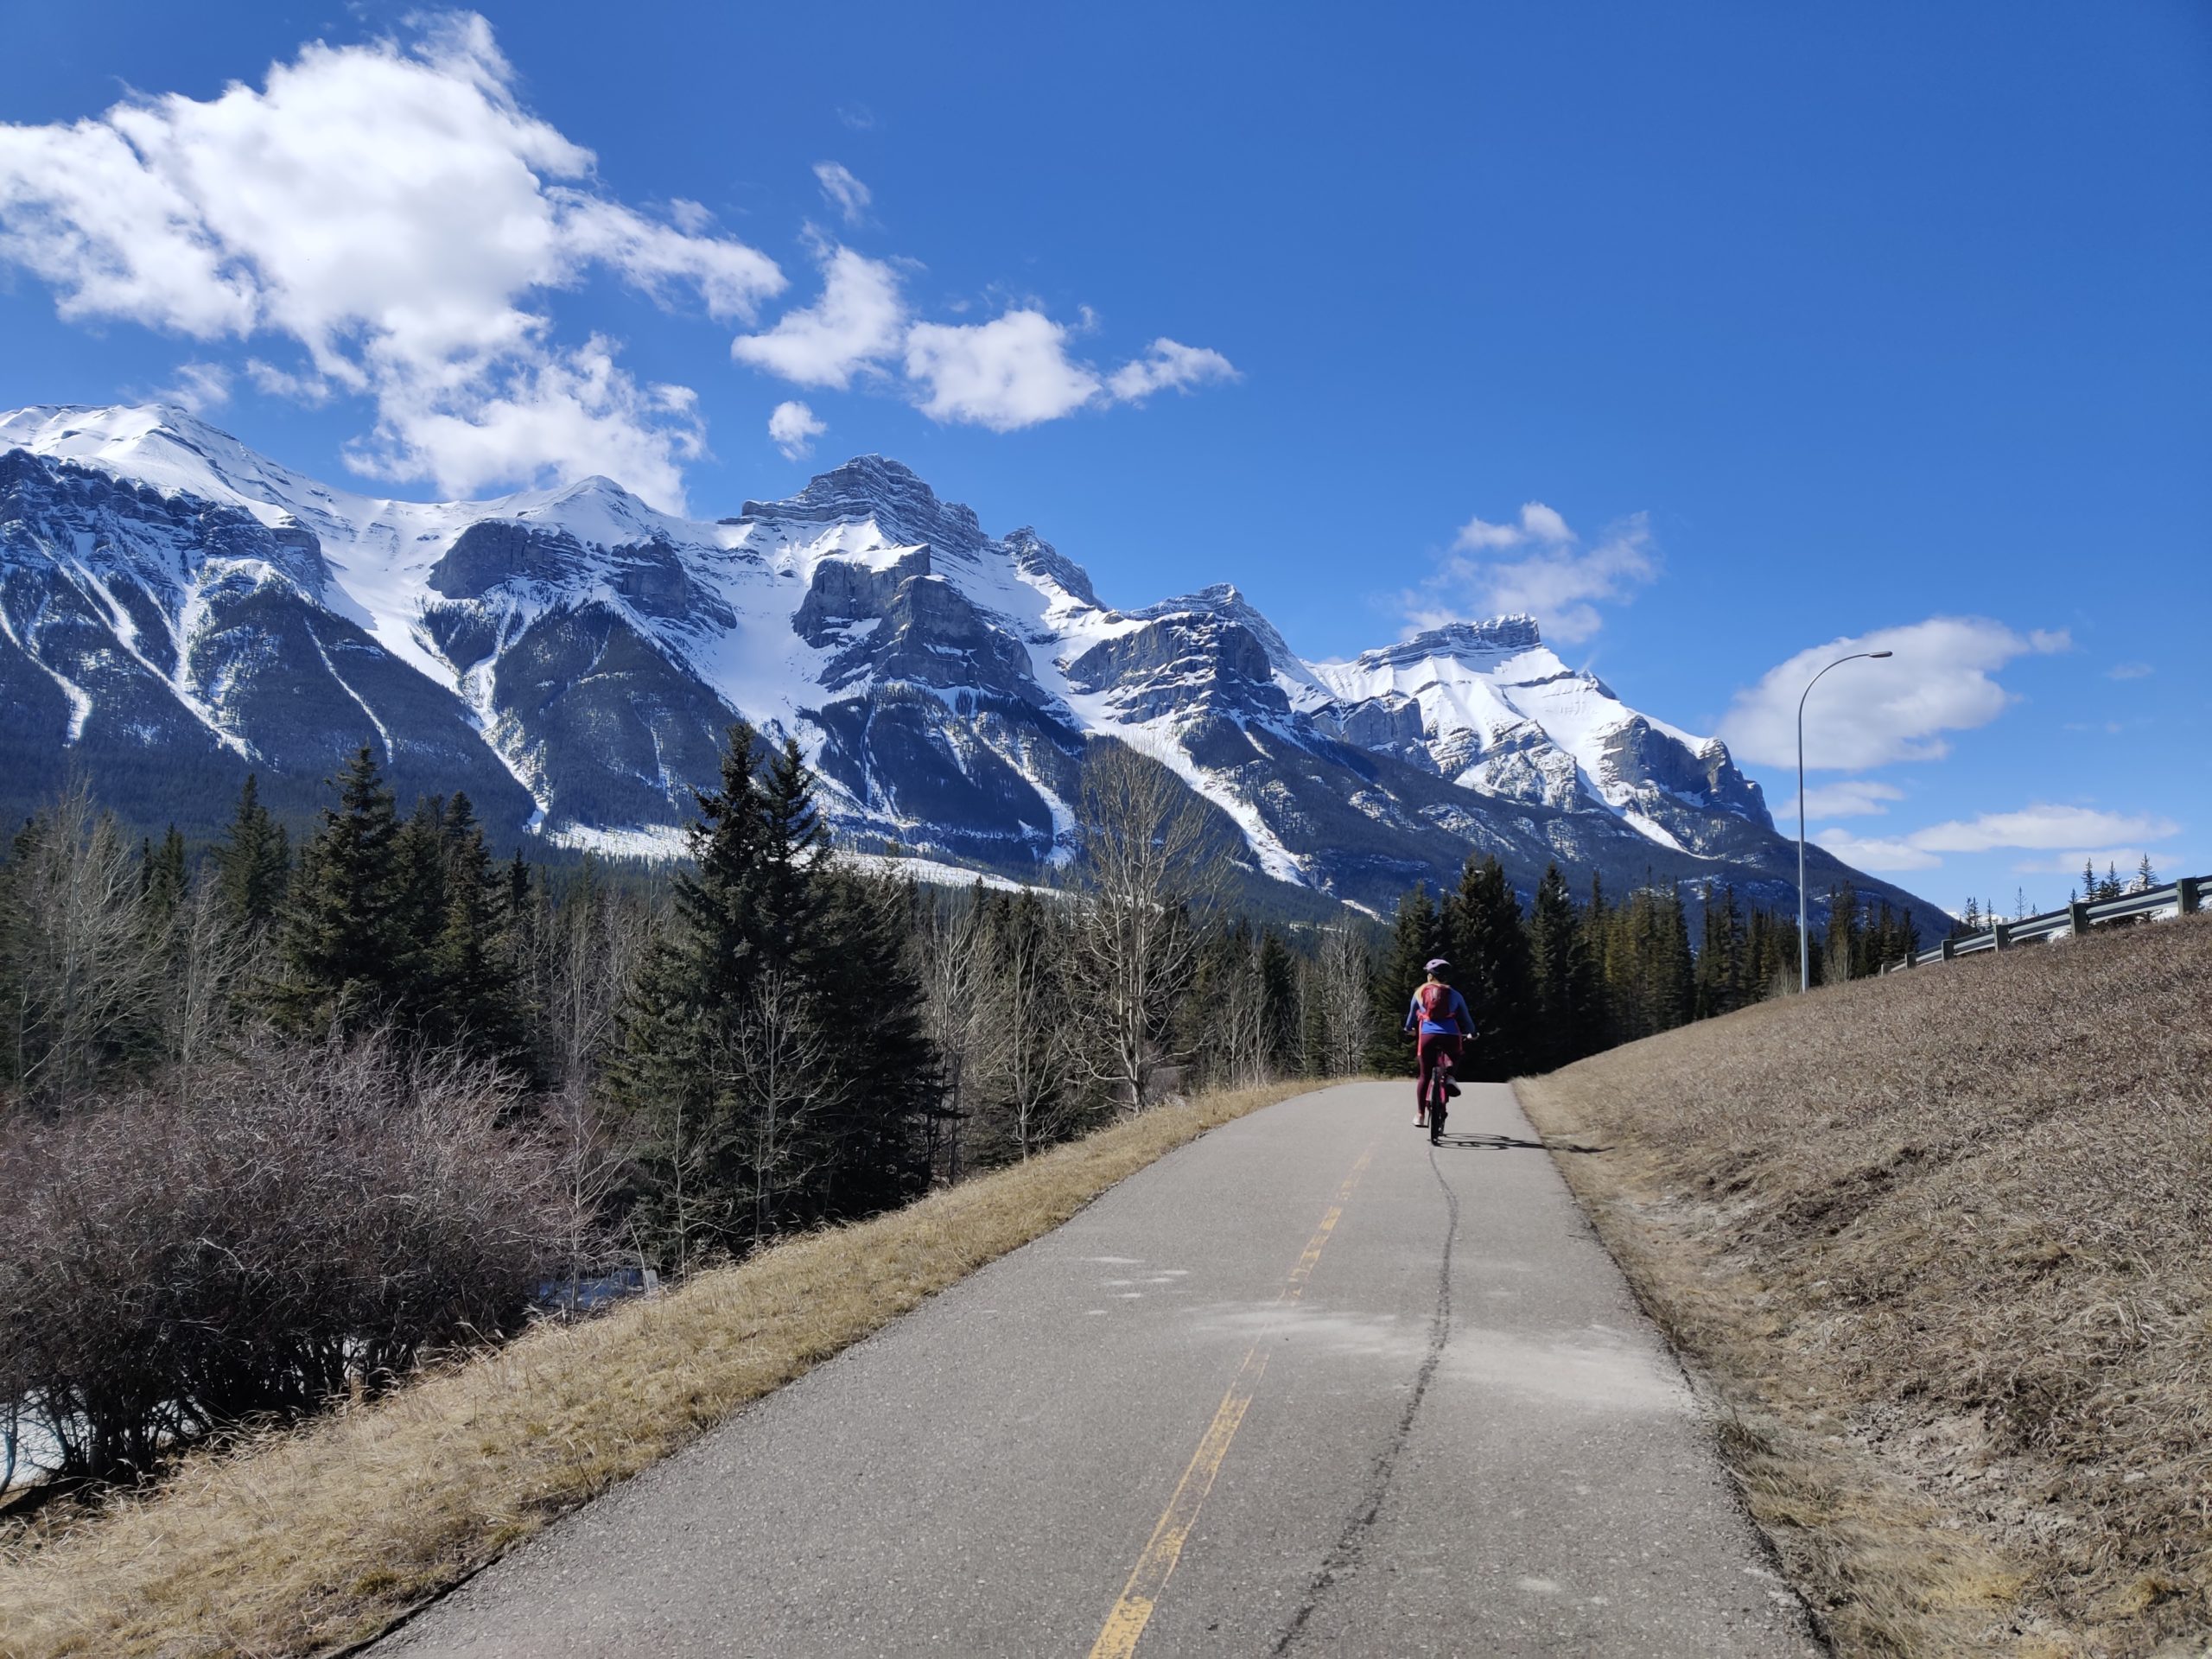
178,610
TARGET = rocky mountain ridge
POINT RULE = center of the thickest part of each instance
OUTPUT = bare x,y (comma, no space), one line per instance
177,609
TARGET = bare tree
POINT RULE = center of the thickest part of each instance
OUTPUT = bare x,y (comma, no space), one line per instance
1028,1041
209,957
589,943
780,1084
951,944
84,963
1343,978
1151,859
593,1161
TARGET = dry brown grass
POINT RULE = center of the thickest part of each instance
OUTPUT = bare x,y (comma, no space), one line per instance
322,1536
1943,1243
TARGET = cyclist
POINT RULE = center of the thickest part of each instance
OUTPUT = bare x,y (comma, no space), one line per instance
1438,1018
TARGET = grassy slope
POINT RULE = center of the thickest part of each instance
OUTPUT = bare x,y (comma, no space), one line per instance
1943,1243
322,1536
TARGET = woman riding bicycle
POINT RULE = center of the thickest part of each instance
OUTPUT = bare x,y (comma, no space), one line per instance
1441,1023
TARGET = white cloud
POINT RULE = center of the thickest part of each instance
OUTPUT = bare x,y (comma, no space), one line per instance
2130,672
394,210
857,115
2121,860
844,192
1871,853
1012,372
2033,828
578,405
199,387
1872,714
1538,523
1557,580
1167,363
1853,798
792,428
859,320
312,390
2041,827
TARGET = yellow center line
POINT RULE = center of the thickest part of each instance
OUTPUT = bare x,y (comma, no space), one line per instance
1125,1625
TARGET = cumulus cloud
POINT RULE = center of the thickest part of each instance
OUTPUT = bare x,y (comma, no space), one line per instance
792,428
842,191
2130,672
578,406
1538,523
393,209
198,387
310,390
1012,372
859,321
2039,828
1869,714
1853,798
1538,566
2121,861
2042,827
1875,853
1168,364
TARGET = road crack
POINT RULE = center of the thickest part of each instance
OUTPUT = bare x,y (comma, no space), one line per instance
1344,1558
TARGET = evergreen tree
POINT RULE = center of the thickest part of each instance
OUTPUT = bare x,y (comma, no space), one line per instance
471,991
253,865
774,1056
1841,950
164,877
1488,945
1723,978
1415,937
348,955
2145,877
1568,1024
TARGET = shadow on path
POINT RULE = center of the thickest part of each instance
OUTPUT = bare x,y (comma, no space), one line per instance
1510,1143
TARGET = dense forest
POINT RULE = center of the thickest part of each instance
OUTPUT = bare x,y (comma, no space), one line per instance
288,1113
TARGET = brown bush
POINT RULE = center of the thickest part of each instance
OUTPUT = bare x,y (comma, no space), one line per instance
1952,1229
308,1226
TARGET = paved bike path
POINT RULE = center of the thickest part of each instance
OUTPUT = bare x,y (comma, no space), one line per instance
1305,1386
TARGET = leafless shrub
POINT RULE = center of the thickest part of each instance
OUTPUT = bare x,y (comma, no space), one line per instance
306,1223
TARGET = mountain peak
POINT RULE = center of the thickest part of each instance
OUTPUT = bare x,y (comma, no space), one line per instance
890,491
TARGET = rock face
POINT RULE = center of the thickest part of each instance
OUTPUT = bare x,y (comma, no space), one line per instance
179,610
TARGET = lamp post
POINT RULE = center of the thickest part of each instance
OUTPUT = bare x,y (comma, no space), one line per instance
1804,939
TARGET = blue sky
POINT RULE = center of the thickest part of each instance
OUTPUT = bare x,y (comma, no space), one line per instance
1796,327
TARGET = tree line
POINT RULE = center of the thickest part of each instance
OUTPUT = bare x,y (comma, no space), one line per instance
1568,978
281,1119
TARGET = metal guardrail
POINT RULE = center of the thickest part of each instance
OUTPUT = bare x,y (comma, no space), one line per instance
2182,898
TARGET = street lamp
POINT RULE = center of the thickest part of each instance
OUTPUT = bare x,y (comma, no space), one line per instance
1804,939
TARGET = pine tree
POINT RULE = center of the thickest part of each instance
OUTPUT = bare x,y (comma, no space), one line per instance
348,955
1568,1024
1484,938
1415,937
2145,877
470,992
253,865
1722,970
163,876
774,1059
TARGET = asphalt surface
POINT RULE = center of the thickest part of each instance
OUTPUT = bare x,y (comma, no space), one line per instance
1305,1386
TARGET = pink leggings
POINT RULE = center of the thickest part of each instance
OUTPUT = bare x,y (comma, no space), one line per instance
1437,1054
